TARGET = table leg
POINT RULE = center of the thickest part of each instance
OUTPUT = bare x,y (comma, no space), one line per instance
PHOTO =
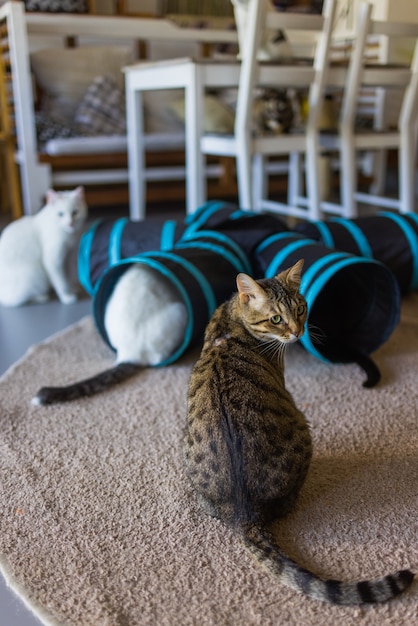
136,153
195,162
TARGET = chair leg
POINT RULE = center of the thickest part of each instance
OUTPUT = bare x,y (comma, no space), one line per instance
379,173
136,156
406,169
348,176
313,183
379,157
294,184
244,177
259,181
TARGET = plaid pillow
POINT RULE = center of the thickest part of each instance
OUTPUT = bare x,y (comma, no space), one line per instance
102,110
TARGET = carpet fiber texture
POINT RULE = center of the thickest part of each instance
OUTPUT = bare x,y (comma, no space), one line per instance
98,524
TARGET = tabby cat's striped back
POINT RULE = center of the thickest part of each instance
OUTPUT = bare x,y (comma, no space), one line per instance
247,446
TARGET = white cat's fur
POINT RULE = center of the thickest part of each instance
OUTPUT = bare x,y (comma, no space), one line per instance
145,318
33,250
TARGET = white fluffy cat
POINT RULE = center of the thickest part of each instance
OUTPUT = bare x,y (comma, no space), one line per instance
145,320
33,250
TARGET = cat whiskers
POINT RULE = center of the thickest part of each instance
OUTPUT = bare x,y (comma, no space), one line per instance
274,348
281,352
316,334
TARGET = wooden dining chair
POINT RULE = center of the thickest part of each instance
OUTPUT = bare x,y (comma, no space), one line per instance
353,140
252,151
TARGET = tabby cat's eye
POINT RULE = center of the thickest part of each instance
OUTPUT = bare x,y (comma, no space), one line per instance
276,319
301,309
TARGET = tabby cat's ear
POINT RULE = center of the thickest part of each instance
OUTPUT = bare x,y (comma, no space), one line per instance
249,289
292,275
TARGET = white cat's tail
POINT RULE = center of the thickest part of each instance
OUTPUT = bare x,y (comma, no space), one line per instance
88,387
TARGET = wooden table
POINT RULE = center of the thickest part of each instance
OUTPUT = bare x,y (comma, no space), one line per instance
195,77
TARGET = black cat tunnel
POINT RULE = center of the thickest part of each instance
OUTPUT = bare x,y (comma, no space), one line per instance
353,302
247,228
203,269
391,238
109,241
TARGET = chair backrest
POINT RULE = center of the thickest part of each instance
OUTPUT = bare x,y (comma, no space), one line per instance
363,75
311,74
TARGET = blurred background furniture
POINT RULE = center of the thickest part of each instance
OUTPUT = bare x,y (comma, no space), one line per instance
197,77
9,174
309,75
391,82
61,157
98,162
194,77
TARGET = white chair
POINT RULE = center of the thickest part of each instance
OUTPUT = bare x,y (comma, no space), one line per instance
351,141
251,151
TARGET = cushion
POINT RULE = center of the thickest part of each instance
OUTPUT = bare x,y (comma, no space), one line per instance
217,116
48,127
158,117
57,6
64,74
102,110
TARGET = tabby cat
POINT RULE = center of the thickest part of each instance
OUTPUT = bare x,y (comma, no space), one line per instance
247,446
272,112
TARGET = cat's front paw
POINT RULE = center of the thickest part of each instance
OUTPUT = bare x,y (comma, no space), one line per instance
68,298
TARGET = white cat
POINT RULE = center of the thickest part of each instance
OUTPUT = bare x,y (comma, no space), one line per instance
145,320
34,248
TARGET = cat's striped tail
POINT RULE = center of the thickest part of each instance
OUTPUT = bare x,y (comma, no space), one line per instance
88,387
332,591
